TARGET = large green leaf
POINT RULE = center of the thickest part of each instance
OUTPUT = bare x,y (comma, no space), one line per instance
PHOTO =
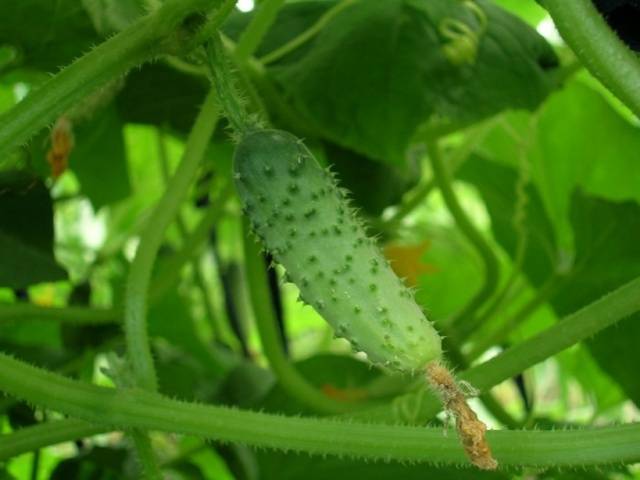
497,185
377,71
607,239
576,139
26,232
48,34
607,236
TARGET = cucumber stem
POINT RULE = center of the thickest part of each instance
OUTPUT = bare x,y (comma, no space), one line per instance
470,429
224,81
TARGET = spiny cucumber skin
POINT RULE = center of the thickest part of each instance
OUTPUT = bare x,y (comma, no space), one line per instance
301,216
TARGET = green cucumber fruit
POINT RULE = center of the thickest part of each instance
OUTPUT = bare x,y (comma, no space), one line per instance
304,219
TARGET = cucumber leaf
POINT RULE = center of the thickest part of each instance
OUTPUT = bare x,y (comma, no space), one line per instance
607,239
389,57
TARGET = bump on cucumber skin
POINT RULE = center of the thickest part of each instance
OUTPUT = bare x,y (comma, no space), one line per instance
304,219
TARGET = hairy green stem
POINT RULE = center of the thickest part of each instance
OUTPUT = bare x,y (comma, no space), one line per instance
575,328
223,79
135,302
307,35
138,347
143,40
259,25
128,408
598,47
491,270
290,379
149,411
214,21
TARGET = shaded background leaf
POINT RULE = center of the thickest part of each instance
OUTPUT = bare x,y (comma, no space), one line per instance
26,232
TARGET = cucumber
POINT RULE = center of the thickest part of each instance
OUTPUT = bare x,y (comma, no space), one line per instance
304,219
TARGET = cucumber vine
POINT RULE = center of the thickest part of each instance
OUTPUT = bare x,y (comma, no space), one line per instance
307,222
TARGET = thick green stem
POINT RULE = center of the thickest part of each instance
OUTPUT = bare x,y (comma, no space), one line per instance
584,323
135,302
598,47
261,21
137,340
290,379
444,182
145,39
230,99
150,411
